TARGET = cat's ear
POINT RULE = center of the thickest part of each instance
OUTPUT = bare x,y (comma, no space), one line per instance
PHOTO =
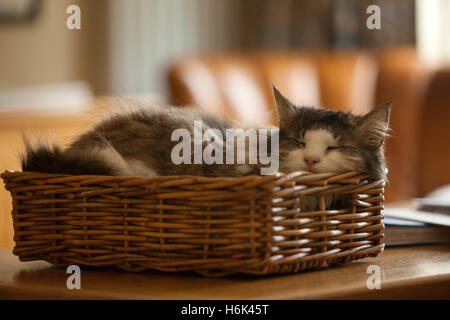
284,107
373,128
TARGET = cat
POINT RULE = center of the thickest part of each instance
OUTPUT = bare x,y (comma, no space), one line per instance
139,143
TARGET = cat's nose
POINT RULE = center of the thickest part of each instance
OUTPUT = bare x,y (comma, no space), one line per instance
310,161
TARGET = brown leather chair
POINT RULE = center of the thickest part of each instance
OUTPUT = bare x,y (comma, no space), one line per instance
402,79
237,86
434,134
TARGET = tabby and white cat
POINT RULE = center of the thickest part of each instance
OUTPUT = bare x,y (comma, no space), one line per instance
139,143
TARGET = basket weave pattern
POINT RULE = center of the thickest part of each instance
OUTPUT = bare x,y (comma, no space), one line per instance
214,226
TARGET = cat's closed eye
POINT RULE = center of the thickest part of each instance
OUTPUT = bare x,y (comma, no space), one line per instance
298,142
339,147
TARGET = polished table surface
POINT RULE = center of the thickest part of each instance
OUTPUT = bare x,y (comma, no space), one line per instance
406,272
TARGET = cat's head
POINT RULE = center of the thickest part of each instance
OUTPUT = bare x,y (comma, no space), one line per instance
320,140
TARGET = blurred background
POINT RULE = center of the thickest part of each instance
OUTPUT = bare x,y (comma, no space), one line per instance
222,56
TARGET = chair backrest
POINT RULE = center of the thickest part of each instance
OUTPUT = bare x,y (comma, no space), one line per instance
238,86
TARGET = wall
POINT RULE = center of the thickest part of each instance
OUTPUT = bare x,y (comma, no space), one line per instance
146,35
41,51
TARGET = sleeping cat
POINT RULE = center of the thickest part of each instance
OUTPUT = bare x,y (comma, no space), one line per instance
140,143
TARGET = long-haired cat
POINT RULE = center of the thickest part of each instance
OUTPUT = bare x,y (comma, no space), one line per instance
139,143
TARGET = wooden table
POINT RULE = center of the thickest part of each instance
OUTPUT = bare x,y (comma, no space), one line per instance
406,272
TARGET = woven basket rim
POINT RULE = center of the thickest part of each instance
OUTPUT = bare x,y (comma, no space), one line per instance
347,175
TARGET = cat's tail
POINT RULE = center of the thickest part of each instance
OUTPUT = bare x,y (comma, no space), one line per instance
43,157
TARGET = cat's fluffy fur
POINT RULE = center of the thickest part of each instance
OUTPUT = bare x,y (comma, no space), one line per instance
139,144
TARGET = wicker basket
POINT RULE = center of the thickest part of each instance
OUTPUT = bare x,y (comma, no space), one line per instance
213,226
